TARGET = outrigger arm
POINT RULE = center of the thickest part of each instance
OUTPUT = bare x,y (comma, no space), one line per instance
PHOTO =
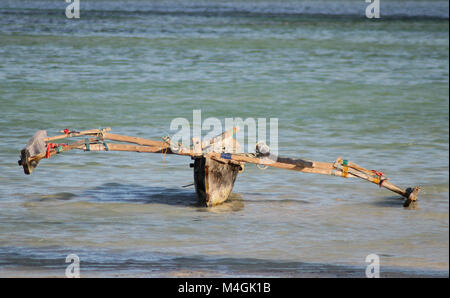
222,158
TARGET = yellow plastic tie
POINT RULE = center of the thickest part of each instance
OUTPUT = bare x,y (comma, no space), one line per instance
345,172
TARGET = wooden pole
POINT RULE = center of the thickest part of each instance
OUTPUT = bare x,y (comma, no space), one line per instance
325,168
294,164
95,145
77,134
135,140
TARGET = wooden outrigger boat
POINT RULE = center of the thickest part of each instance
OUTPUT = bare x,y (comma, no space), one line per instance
217,162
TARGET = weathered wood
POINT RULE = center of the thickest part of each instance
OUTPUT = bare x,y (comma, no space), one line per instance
165,149
409,193
124,147
35,146
95,145
354,166
199,179
221,138
78,134
294,164
197,145
214,180
411,200
135,140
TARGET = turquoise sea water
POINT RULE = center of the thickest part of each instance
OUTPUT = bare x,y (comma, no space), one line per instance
373,91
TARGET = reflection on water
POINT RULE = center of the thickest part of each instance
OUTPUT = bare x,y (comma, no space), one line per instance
58,196
133,193
234,203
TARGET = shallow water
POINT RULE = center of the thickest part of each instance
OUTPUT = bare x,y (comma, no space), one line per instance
373,91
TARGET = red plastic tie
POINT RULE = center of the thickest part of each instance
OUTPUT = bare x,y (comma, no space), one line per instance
52,146
379,174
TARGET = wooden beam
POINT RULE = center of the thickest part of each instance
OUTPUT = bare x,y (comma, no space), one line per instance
220,138
135,140
77,134
325,168
294,164
197,145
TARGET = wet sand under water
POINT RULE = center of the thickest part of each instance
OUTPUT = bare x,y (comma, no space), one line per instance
315,271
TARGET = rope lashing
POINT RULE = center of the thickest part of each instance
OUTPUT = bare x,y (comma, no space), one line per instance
50,146
345,168
164,152
379,175
101,133
100,140
58,147
262,149
165,148
261,167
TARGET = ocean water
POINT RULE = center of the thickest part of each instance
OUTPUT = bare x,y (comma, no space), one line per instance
373,91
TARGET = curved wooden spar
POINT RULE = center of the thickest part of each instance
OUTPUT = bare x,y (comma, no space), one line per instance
134,140
351,170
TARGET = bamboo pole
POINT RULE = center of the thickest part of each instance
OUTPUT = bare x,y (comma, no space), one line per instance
325,168
135,140
95,145
125,147
77,134
294,164
75,145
